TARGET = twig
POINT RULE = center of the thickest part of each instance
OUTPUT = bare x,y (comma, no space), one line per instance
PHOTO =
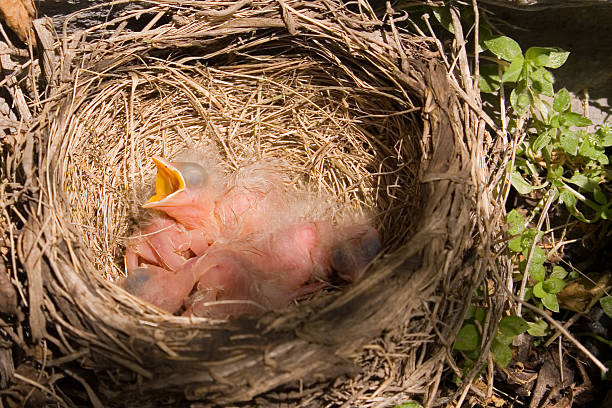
563,331
425,17
42,388
476,44
531,249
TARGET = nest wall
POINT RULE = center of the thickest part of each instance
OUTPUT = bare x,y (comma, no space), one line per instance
346,102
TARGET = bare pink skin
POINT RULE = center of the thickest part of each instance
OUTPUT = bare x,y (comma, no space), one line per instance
194,209
164,243
262,275
160,287
236,244
237,209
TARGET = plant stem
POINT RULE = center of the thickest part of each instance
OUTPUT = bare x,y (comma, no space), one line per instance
551,197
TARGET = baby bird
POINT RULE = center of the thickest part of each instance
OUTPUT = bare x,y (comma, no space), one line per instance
243,245
160,287
186,193
354,248
267,272
270,271
165,243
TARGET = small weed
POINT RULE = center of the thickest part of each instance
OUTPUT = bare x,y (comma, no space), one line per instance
469,337
557,153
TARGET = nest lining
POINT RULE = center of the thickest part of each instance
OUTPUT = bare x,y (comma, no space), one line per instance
327,132
348,103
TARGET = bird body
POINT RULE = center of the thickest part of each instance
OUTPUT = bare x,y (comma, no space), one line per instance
165,243
265,272
244,245
160,287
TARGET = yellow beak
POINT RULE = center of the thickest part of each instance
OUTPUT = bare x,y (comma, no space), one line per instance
169,180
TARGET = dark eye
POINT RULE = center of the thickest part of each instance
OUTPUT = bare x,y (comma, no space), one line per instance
136,280
370,247
342,259
194,174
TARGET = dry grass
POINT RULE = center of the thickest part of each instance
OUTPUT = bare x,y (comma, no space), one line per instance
327,133
349,104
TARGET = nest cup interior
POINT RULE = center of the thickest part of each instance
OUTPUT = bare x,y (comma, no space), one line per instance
328,128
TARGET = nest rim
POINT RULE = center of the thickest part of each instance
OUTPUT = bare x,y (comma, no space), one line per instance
145,331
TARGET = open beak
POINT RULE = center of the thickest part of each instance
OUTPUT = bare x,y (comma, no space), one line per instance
169,181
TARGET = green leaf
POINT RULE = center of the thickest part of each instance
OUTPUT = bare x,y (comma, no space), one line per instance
543,139
569,142
600,197
606,305
549,300
556,58
479,314
501,352
592,151
546,57
537,328
516,221
540,106
537,272
519,183
505,48
574,119
562,101
467,339
589,150
604,135
538,56
512,326
523,101
538,290
584,182
489,78
553,285
569,199
442,14
558,272
470,313
409,404
516,244
542,81
485,34
513,72
528,293
530,235
538,256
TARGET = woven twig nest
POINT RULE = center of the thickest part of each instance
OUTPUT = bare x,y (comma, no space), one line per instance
350,104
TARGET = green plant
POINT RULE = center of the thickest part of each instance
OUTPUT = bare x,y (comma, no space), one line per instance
606,305
544,280
557,157
469,337
557,152
409,404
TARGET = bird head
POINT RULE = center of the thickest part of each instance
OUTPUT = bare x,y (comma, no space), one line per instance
184,191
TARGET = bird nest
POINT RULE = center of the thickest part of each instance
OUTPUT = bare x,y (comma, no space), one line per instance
350,105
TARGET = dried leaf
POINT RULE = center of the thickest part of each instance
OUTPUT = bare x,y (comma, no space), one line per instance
579,294
18,15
